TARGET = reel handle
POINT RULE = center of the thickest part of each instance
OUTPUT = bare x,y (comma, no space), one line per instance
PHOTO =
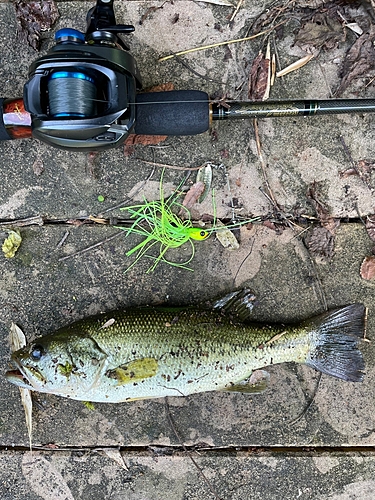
15,121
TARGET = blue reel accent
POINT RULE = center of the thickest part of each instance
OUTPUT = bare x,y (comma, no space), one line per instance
66,34
71,74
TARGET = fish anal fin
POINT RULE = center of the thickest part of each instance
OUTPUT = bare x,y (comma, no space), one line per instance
134,371
256,383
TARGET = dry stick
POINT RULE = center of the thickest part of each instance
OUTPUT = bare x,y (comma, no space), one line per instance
263,164
219,44
243,262
38,220
163,165
172,424
308,406
62,241
80,252
239,5
188,67
136,192
273,200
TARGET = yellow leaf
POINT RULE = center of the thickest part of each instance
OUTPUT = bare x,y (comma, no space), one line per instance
12,243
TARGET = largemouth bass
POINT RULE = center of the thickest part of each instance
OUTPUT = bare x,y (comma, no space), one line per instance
152,352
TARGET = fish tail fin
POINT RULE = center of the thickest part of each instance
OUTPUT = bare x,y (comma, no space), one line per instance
335,336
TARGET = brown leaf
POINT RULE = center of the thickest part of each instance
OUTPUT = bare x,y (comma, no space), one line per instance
193,195
33,18
163,87
258,78
359,60
321,242
322,32
326,220
368,268
146,140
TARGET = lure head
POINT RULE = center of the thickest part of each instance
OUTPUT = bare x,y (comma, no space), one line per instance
195,233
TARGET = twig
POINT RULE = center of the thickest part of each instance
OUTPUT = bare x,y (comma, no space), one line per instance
80,252
308,406
163,165
263,164
37,220
62,241
136,192
188,67
172,424
219,44
243,262
239,5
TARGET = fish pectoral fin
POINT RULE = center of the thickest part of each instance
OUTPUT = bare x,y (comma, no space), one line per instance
134,371
256,383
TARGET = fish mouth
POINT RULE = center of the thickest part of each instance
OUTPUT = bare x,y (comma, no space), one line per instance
16,377
26,377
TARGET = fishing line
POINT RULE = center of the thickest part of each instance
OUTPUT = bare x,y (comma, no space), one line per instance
71,94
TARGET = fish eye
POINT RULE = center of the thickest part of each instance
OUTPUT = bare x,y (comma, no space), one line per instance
37,352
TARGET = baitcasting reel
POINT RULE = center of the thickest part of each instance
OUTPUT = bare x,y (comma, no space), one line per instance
84,95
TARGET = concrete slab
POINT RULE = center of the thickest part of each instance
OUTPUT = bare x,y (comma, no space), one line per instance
40,292
173,476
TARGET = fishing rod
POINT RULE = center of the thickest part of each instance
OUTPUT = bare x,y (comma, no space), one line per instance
85,95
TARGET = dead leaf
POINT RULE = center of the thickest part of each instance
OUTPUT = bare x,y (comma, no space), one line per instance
226,237
322,32
368,268
113,454
326,220
146,140
294,66
193,195
33,18
12,243
321,242
163,87
359,60
38,166
259,78
18,340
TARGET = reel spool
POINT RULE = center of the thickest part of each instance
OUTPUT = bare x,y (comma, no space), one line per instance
72,94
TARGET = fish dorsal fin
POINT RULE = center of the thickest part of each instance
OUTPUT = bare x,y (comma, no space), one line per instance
134,371
256,383
239,303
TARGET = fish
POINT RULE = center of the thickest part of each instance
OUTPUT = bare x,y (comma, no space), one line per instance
153,352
